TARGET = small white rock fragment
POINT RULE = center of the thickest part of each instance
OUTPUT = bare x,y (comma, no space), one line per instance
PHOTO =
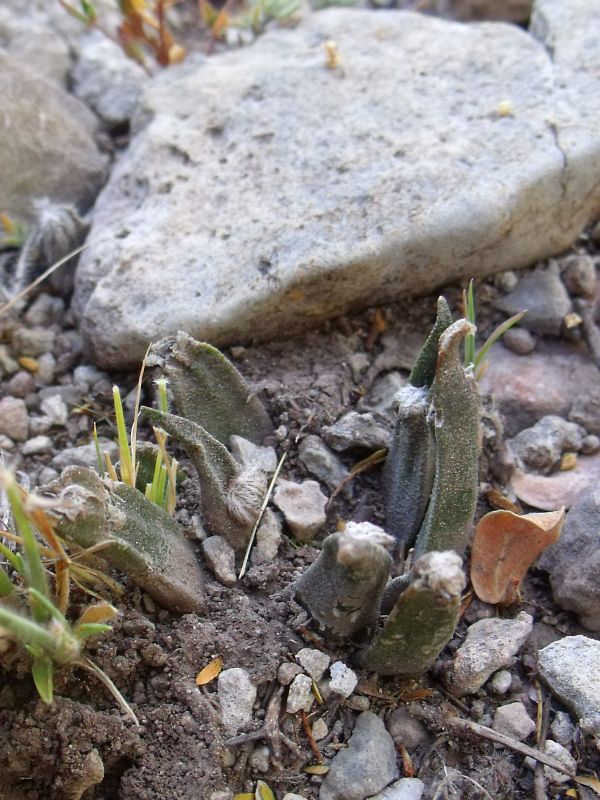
343,679
236,694
220,558
490,645
287,672
300,695
358,702
562,729
249,454
319,730
560,754
39,444
291,796
14,419
314,662
268,539
404,789
303,507
514,721
501,682
55,408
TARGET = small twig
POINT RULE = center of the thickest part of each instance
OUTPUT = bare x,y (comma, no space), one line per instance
263,508
370,461
41,278
311,739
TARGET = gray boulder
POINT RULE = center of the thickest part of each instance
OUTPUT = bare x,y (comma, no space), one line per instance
47,146
263,193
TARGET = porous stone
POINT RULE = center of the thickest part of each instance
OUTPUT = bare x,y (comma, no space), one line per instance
574,561
490,645
541,447
42,123
14,419
300,696
357,430
366,766
322,462
107,80
33,341
544,296
389,202
220,557
303,507
404,789
513,720
236,694
315,662
343,679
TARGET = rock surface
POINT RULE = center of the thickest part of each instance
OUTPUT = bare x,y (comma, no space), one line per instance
236,694
490,645
366,767
47,147
303,507
563,488
574,561
347,187
404,789
513,720
541,447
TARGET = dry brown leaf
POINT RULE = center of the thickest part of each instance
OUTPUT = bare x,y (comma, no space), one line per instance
317,769
99,612
590,783
505,545
210,671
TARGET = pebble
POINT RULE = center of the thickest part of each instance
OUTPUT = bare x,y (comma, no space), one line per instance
490,645
319,729
381,398
590,444
39,425
55,408
506,281
358,363
21,384
268,539
46,475
291,796
14,419
87,375
560,754
571,668
46,370
357,430
519,340
501,682
514,721
249,454
406,730
562,729
6,443
585,409
44,310
7,362
366,766
541,447
221,794
260,758
236,694
574,561
85,455
543,294
220,559
358,702
33,341
343,679
303,507
287,672
579,275
404,789
313,661
300,695
322,462
39,444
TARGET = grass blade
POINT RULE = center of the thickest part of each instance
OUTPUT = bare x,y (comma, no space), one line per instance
125,461
495,335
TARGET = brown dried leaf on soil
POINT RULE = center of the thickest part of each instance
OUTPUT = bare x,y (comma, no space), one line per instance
505,546
210,671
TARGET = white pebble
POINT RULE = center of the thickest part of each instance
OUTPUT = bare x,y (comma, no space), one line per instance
343,679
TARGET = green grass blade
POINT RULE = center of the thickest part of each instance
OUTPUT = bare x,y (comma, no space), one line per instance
14,559
42,672
470,315
7,587
46,604
126,464
163,400
26,630
495,335
36,577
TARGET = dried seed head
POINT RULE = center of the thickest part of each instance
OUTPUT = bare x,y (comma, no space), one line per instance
245,494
